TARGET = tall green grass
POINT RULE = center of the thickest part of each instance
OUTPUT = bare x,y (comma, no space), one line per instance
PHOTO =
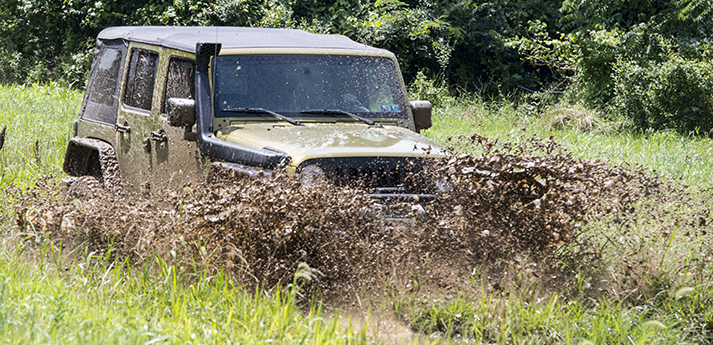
93,300
39,124
666,153
519,317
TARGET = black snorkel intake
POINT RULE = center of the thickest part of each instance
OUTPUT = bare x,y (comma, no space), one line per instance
208,144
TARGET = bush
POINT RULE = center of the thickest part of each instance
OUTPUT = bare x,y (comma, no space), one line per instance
644,60
434,91
675,94
598,53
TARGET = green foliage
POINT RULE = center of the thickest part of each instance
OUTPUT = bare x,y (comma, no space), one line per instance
598,54
609,14
675,94
416,35
462,40
589,50
430,90
47,40
608,49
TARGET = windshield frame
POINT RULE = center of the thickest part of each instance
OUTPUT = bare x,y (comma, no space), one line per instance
395,84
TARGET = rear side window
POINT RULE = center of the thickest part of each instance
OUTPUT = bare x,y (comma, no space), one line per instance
142,75
103,86
180,80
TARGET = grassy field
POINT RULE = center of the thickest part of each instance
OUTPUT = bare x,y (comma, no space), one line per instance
50,294
96,301
39,124
584,133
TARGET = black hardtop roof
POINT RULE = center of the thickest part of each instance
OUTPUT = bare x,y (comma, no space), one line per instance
185,37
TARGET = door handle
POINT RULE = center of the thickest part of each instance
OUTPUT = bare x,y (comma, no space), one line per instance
122,129
159,135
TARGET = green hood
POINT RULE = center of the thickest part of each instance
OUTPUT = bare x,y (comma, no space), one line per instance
324,140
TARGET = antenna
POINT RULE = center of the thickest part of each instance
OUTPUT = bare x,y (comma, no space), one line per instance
216,52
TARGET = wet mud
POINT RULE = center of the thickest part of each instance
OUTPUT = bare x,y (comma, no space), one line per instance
529,205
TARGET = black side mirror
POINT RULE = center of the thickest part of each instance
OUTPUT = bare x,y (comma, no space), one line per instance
421,114
181,112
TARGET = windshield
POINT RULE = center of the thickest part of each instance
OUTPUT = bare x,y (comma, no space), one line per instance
289,84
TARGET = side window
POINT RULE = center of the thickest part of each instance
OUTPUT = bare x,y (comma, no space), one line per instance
102,98
180,80
142,75
104,87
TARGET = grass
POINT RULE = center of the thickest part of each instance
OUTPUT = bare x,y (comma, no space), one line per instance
669,154
519,317
39,124
49,295
97,301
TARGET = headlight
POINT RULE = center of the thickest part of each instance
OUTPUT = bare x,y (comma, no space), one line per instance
312,175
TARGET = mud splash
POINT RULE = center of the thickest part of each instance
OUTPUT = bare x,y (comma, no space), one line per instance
531,199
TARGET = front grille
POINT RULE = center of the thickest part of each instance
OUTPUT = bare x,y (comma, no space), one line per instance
404,174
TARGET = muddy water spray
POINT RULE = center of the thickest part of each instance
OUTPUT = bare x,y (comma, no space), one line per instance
529,199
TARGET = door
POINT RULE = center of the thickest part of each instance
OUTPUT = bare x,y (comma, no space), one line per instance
137,117
175,160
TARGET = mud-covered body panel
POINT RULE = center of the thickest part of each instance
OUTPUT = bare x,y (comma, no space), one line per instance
320,140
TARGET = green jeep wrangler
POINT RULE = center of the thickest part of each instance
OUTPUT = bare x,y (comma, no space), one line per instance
166,105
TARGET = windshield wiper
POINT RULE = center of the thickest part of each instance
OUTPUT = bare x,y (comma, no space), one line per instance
263,111
341,112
